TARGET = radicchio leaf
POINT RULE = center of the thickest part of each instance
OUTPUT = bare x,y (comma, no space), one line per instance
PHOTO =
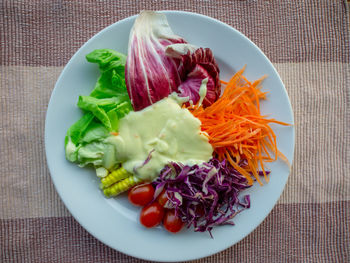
150,75
191,86
160,62
195,65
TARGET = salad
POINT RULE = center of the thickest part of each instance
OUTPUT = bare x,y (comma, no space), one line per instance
158,125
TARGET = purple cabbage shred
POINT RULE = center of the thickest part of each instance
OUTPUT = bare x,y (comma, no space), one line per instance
205,195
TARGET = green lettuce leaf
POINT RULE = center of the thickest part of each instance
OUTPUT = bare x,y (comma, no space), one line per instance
107,103
76,131
95,131
97,153
100,107
111,83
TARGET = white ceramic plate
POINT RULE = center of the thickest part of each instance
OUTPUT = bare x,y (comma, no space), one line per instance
115,221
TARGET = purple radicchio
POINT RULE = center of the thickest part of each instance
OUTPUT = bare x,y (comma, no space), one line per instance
195,66
160,62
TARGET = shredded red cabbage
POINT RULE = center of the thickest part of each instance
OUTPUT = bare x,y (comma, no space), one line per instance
205,195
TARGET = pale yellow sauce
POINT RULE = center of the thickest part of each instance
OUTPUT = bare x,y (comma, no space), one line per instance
168,132
202,91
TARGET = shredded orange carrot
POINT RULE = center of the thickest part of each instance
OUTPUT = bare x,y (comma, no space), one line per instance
237,130
115,133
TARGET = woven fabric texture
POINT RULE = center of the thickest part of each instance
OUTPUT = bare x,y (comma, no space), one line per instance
308,43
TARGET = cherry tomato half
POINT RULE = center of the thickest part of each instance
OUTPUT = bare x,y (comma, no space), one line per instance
172,222
141,195
151,215
162,198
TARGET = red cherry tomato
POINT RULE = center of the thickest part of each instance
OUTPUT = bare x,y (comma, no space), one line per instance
172,222
162,198
151,215
141,195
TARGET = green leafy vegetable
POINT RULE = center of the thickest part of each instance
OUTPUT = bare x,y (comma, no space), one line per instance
98,153
76,131
95,132
117,113
100,107
111,83
108,102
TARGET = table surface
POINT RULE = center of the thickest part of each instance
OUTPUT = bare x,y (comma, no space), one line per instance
308,43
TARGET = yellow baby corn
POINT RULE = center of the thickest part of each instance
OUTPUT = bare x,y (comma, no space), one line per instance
114,177
121,186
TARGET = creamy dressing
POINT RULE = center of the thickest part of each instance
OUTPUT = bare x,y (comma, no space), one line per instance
202,91
162,133
180,100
